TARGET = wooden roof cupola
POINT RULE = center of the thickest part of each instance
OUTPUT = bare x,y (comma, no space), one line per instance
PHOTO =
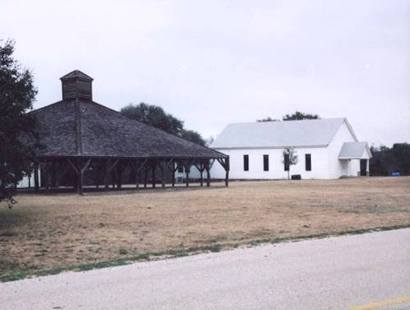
77,85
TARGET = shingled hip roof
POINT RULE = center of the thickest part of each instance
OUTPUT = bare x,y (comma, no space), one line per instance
78,126
88,129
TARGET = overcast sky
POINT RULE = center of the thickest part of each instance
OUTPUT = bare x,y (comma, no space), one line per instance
215,62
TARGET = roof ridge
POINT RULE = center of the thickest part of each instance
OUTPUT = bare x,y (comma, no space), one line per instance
287,121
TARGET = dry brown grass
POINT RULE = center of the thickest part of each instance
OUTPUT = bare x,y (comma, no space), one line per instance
66,229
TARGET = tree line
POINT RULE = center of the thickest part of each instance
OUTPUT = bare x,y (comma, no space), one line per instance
387,160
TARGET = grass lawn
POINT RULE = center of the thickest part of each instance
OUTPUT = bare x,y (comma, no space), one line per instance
49,233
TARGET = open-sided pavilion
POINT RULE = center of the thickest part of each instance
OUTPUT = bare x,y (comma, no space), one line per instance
85,143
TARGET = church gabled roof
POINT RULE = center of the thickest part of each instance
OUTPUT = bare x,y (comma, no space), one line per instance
355,150
303,133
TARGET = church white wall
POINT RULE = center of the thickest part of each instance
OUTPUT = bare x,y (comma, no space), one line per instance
276,166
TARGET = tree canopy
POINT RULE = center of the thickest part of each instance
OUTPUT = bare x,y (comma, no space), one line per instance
17,94
156,116
299,116
267,119
291,117
192,136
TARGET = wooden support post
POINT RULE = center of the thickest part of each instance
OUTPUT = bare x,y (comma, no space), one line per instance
153,173
46,173
136,179
208,176
187,170
138,168
36,178
173,177
75,171
96,168
227,172
171,167
201,168
207,168
145,177
106,174
119,176
80,178
97,178
80,183
113,174
161,167
224,162
53,174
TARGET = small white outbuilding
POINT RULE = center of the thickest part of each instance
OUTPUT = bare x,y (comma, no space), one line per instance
325,148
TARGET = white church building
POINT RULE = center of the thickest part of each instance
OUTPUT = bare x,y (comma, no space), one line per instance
326,149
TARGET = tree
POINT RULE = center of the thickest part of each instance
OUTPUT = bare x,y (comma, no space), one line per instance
290,158
17,94
192,136
156,116
299,116
267,119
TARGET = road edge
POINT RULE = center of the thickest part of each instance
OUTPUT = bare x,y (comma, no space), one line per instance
175,253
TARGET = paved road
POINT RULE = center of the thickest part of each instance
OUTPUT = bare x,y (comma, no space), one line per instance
370,270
